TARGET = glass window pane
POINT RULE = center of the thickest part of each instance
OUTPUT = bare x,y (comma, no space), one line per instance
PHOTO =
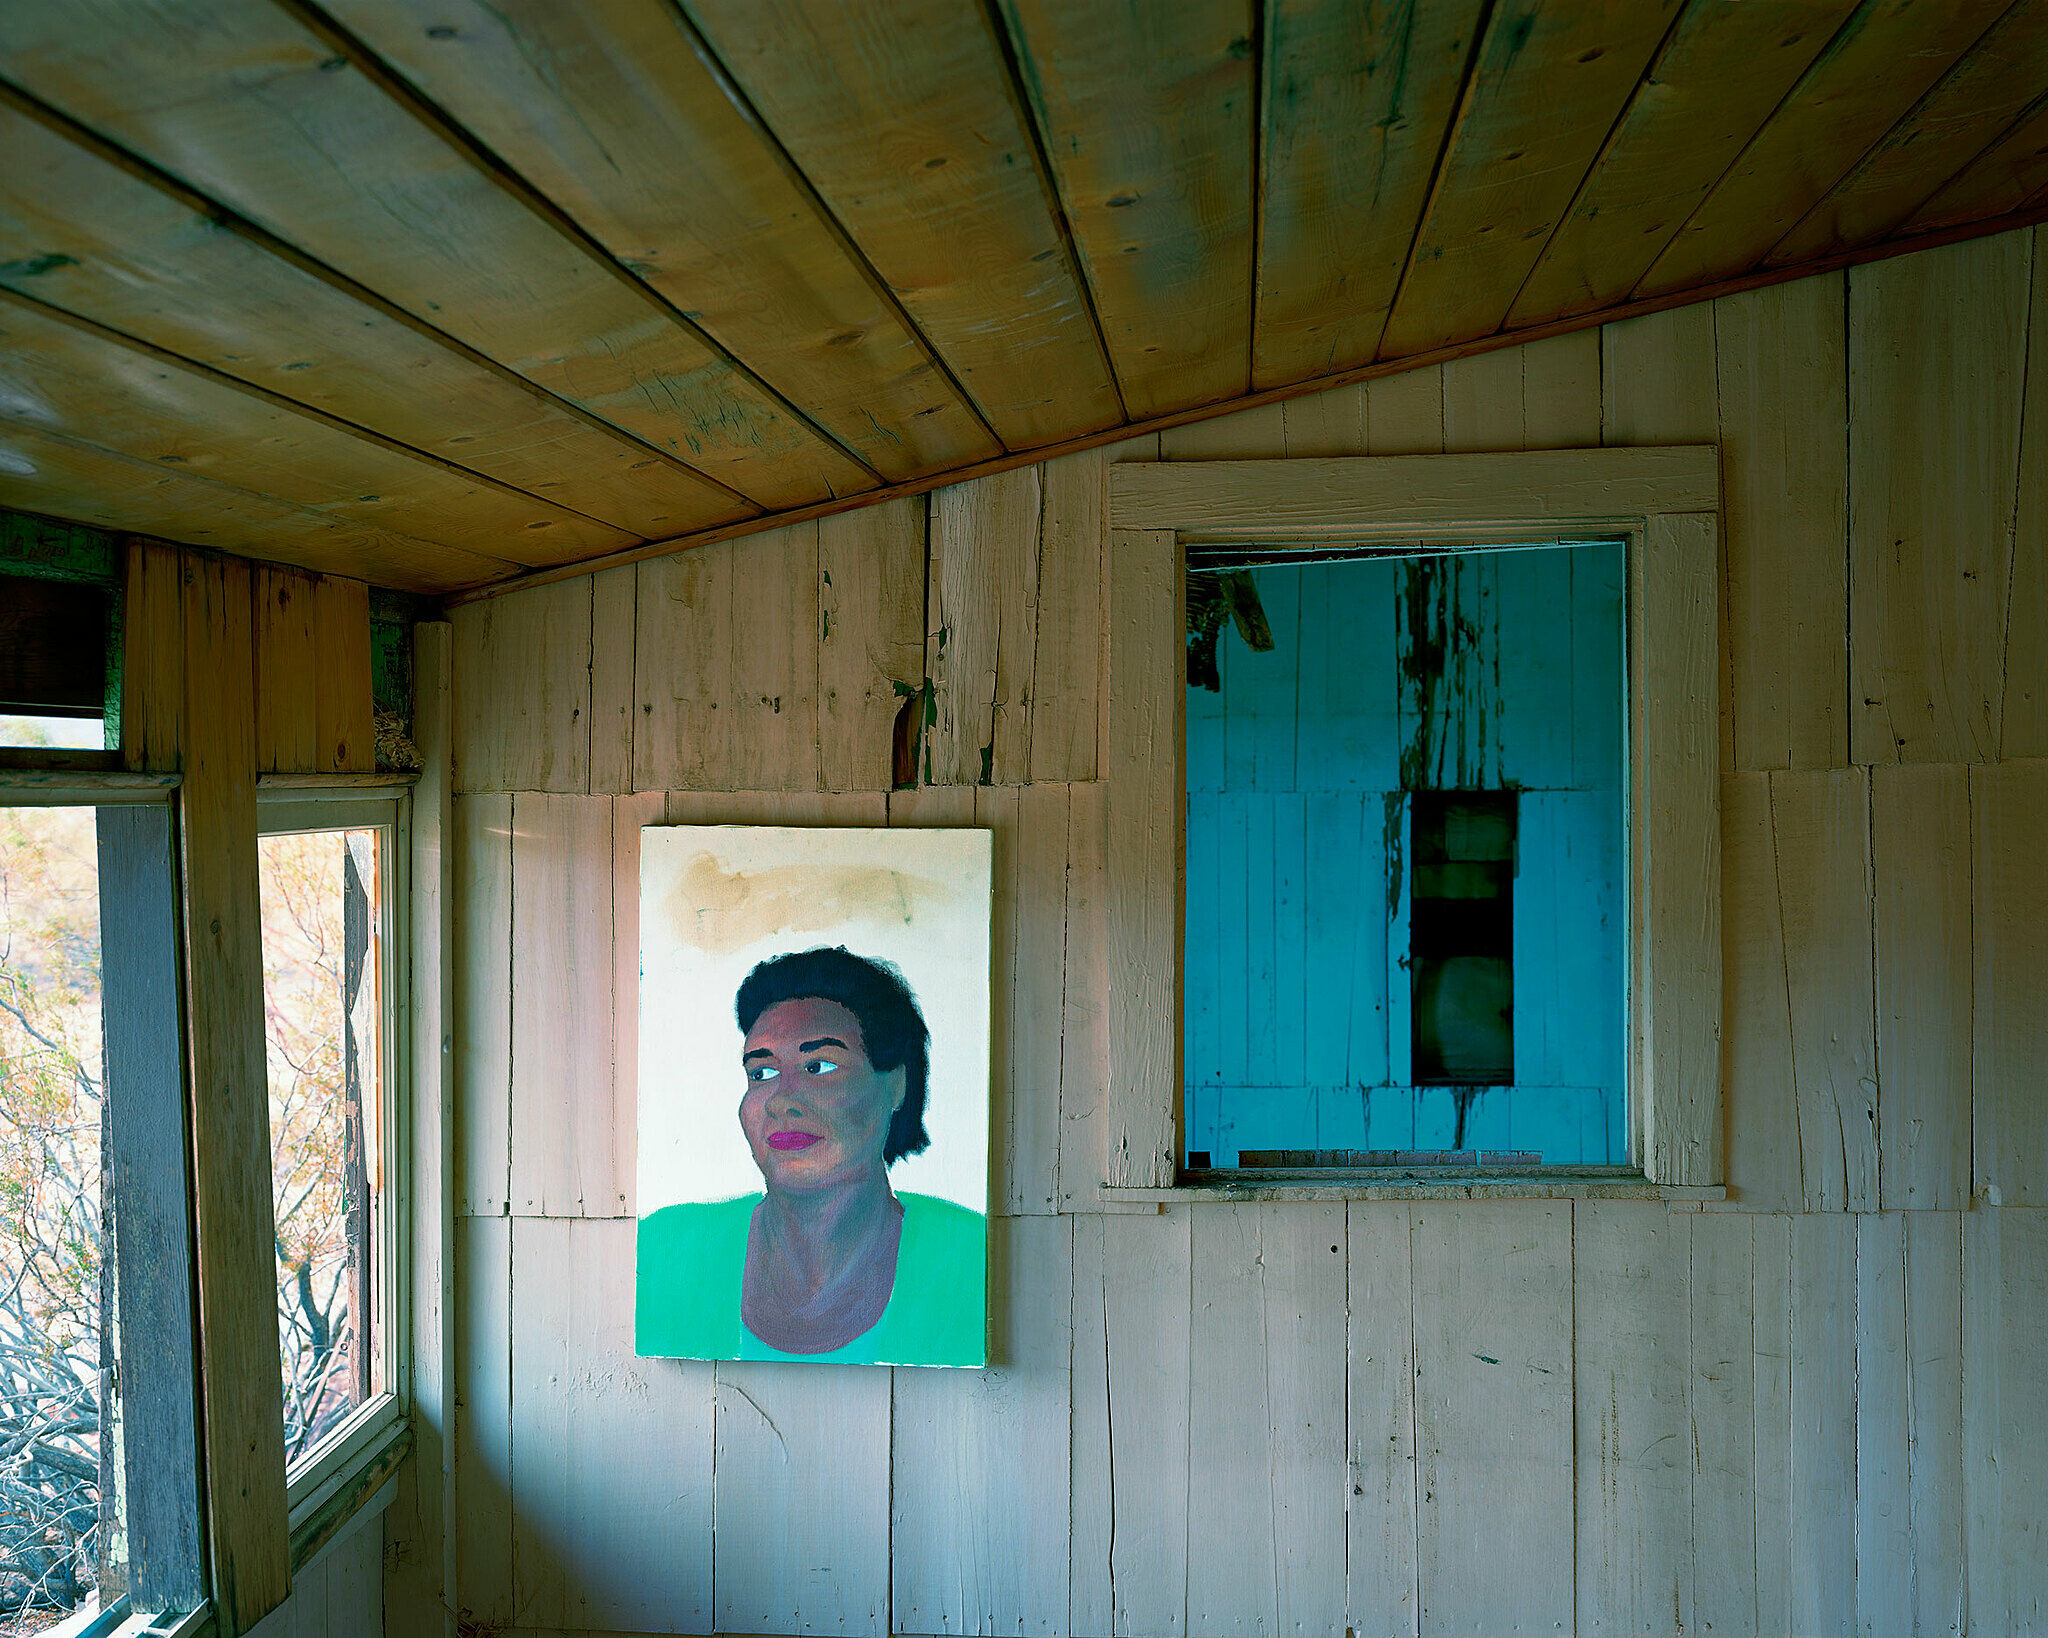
60,1514
323,981
51,733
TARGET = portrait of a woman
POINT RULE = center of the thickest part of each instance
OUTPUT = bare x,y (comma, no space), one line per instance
826,1262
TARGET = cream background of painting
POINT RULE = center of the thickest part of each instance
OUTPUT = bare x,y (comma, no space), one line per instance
1806,1410
918,899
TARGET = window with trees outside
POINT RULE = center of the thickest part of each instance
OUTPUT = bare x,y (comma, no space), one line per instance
327,906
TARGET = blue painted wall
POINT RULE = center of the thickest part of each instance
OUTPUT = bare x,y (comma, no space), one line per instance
1473,671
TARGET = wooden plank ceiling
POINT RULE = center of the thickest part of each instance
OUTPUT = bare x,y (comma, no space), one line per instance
444,292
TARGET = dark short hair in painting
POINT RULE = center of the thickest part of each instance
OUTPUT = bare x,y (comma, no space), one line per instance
890,1025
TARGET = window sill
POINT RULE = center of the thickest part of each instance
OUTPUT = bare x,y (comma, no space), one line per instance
1418,1183
345,1477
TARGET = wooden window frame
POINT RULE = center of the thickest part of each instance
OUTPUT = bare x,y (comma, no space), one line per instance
1665,503
360,1443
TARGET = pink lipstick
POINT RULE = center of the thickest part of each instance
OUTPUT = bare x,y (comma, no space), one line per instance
792,1140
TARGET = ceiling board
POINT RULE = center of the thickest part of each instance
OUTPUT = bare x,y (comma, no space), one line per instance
616,114
1553,76
1356,102
241,102
1724,70
61,375
66,477
1975,104
1883,61
2008,176
400,281
905,120
1146,109
86,235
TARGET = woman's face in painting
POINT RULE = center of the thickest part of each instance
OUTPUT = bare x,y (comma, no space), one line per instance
816,1112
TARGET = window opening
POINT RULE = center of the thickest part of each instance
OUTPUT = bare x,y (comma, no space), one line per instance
1406,855
61,1513
324,910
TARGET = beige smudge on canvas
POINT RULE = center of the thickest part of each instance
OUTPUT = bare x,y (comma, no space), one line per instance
719,910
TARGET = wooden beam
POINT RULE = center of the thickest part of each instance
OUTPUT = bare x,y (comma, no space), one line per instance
247,108
1147,113
1550,80
623,121
247,1535
1877,67
1355,105
93,231
1419,362
912,135
1282,500
1718,79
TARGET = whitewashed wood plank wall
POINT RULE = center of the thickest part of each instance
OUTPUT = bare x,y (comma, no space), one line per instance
1817,1409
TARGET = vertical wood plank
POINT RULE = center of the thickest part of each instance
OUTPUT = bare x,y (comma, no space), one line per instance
1784,448
2023,725
483,1423
1722,1547
1935,355
2009,1060
1561,391
1404,414
1483,401
344,719
1920,870
1090,1502
420,1527
1935,1421
1770,1302
522,690
1326,423
630,814
1631,1367
2005,1384
772,734
800,1541
563,1162
981,1486
981,628
870,637
1067,668
995,810
1763,1112
1679,789
1147,786
614,598
1821,1477
1884,1524
1037,999
1266,1455
287,666
1493,1303
1147,1270
1379,1304
482,1002
1084,1004
1657,379
611,1454
152,658
682,671
1821,827
243,1428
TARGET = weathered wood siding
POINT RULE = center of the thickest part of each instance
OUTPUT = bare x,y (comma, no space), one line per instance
1814,1410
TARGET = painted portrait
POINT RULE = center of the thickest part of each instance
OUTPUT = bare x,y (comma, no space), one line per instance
813,1085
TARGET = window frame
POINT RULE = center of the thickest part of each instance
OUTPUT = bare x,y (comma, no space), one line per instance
286,805
1664,502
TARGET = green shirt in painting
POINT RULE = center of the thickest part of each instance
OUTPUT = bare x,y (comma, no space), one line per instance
693,1259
